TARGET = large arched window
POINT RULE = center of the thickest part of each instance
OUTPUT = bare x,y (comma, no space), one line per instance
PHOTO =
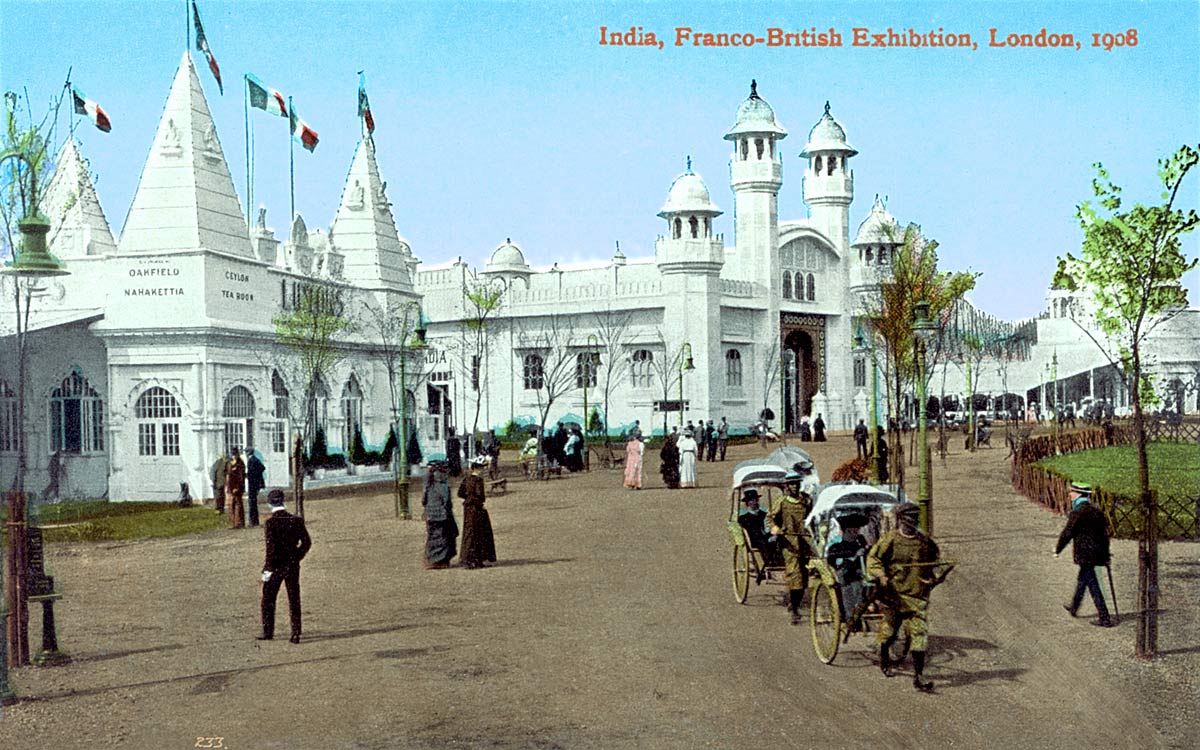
276,430
642,368
799,286
351,411
9,433
733,368
812,288
534,378
238,412
158,414
787,284
76,416
318,406
585,369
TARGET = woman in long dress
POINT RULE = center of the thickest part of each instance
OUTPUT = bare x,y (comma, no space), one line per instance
478,543
687,460
441,530
634,450
670,463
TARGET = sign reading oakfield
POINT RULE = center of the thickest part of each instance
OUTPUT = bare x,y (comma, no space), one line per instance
154,278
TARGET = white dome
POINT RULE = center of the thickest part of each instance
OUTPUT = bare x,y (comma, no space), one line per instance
874,229
689,195
827,135
507,257
755,116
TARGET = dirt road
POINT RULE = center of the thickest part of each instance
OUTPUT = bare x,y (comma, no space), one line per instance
609,623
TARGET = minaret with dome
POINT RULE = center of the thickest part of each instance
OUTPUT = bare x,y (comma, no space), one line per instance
828,180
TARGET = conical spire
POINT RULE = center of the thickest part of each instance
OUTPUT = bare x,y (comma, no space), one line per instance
78,225
365,230
185,199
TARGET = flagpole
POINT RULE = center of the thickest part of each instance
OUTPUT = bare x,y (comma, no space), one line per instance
291,160
187,23
71,109
246,113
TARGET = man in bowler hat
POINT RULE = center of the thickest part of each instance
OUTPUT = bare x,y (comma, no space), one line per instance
287,544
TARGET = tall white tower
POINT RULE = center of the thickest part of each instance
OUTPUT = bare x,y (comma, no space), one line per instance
828,180
689,257
756,174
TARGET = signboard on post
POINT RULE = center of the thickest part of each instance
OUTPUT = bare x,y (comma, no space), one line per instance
670,405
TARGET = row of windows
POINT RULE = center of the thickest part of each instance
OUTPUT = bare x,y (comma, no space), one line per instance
641,370
803,254
805,289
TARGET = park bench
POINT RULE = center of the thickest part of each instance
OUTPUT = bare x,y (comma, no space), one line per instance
608,458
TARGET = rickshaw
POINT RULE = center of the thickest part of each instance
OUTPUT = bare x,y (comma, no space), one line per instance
843,598
767,476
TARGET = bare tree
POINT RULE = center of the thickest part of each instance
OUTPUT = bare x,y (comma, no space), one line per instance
771,374
668,373
612,329
549,365
481,299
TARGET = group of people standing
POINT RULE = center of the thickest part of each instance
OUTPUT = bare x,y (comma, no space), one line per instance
231,478
441,527
681,450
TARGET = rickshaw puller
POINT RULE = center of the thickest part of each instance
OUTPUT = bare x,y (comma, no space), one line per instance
899,561
788,511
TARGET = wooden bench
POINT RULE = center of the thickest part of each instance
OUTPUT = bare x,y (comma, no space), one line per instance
498,486
607,457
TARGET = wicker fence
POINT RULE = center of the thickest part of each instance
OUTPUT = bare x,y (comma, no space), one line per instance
1178,515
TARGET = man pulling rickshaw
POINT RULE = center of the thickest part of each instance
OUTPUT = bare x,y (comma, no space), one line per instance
787,514
904,562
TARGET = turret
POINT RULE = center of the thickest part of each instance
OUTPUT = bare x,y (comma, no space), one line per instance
756,174
828,179
689,246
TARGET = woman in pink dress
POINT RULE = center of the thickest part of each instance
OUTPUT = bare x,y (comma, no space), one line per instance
633,462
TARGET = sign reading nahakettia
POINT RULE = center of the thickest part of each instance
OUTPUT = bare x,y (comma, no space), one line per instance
858,36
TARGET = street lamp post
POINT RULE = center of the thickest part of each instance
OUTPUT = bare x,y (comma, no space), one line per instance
923,329
1057,403
868,343
685,364
400,470
33,261
591,360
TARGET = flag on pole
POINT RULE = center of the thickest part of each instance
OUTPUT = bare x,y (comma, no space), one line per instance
202,45
85,106
364,106
264,98
302,132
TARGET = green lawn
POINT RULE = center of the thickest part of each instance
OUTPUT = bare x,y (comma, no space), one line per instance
1174,468
105,521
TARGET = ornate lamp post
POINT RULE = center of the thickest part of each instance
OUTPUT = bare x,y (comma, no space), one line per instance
400,470
33,261
923,329
685,364
591,361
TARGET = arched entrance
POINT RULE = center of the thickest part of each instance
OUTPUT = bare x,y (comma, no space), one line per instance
801,376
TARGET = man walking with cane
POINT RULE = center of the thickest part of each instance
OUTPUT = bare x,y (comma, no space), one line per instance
1088,529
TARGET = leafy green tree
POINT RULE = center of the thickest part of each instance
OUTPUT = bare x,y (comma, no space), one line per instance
1131,267
481,299
312,333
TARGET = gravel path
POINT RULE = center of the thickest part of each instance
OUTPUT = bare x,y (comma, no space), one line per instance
609,623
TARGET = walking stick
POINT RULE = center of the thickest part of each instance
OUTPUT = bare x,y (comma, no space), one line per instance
1113,589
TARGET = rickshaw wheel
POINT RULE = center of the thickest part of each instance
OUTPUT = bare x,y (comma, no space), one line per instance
741,572
825,620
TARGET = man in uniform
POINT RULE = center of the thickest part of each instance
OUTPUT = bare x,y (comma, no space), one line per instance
287,544
787,514
1088,528
901,563
722,437
860,438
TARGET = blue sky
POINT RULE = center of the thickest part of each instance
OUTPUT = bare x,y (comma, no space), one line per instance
498,120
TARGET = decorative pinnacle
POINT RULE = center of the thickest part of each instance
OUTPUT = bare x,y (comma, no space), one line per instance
826,107
689,164
754,89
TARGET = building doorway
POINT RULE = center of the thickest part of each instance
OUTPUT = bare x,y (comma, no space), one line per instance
800,377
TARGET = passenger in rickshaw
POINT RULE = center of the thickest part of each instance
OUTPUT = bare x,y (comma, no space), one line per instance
787,515
847,554
753,519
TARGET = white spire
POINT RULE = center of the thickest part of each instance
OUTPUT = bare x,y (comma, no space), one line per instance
185,199
365,230
78,225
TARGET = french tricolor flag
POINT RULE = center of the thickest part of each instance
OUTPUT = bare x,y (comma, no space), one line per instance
85,106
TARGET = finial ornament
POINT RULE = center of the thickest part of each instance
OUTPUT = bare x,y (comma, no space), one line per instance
827,107
689,164
753,89
508,240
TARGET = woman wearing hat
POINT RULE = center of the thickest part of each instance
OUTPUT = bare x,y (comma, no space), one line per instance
669,468
1088,529
478,543
634,450
441,530
687,460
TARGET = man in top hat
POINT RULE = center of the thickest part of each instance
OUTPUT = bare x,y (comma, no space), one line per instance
1088,529
753,518
901,562
787,515
287,544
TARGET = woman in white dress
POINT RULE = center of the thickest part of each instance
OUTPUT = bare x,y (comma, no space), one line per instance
687,460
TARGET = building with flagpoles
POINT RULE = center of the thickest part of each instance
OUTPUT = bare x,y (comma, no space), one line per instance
157,352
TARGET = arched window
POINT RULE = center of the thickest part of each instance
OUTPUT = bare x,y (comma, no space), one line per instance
642,368
831,165
707,226
694,225
745,149
812,288
158,415
238,413
9,434
318,407
817,165
799,286
883,255
585,369
534,377
733,368
787,284
352,410
277,430
860,372
76,416
758,146
677,230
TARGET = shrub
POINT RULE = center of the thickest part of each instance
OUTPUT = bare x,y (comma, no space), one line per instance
854,470
358,451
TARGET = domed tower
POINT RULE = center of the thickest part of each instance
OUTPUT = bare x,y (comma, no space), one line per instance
508,263
874,246
756,174
690,257
828,180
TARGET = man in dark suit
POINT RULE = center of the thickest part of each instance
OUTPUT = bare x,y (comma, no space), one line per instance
256,472
1087,527
287,544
